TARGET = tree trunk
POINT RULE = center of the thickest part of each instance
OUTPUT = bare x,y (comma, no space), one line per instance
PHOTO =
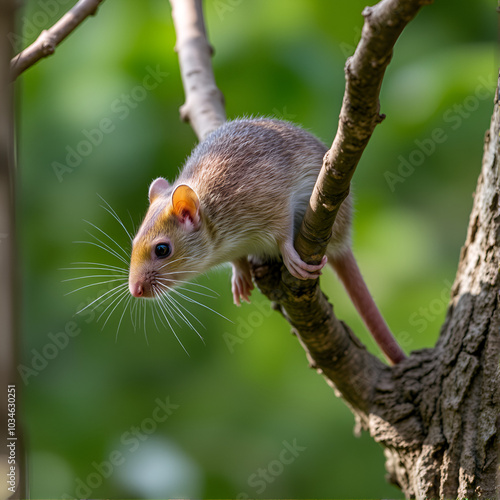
438,413
11,453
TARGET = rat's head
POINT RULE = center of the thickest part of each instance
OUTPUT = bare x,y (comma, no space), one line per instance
166,249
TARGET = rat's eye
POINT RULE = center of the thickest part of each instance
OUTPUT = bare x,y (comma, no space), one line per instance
163,250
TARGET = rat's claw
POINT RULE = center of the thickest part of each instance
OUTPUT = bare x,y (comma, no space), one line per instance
236,296
241,291
241,282
298,267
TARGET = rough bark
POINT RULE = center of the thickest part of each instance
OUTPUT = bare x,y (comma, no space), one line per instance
445,442
436,414
331,346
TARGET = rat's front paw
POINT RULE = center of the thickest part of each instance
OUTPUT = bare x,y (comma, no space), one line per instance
241,282
298,267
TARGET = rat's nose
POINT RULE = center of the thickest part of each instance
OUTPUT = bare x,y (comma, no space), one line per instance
136,289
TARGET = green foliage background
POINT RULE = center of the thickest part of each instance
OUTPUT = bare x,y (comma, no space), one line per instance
238,402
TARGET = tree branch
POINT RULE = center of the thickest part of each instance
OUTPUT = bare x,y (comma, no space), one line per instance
331,346
359,116
204,106
46,43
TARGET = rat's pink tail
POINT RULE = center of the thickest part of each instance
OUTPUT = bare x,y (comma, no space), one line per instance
348,271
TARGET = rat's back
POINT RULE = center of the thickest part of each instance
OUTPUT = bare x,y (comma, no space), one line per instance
255,147
253,169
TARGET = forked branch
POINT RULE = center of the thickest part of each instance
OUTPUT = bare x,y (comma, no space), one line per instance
330,344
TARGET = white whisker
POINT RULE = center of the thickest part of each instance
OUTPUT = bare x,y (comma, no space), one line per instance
170,262
124,273
108,236
95,284
153,309
118,300
160,280
94,276
127,303
161,305
132,309
166,306
104,294
103,248
136,313
189,299
119,293
134,227
145,330
177,307
177,304
185,282
112,212
109,248
100,264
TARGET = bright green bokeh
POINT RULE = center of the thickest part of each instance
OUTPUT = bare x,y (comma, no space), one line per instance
239,403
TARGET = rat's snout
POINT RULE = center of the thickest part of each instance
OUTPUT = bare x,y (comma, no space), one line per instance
136,289
140,285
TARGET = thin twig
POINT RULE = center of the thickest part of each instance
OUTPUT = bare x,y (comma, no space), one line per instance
204,106
46,43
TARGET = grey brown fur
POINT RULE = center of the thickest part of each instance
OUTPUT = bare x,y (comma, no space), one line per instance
254,178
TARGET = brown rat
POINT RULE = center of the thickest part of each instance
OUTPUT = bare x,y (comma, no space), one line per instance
244,191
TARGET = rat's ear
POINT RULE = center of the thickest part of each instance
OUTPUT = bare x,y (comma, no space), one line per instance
186,206
157,187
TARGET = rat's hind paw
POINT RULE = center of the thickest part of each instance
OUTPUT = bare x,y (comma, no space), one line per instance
297,266
241,282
